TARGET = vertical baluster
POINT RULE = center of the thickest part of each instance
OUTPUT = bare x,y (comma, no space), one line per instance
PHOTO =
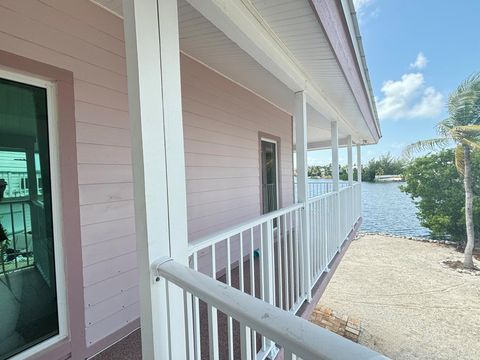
229,318
252,264
304,290
279,262
324,234
314,239
240,266
213,316
252,283
189,329
196,316
285,263
245,344
290,253
297,249
318,219
311,208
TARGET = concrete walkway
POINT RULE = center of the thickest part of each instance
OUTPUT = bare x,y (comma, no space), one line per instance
410,304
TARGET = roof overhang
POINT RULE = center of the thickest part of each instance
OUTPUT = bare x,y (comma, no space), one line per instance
277,48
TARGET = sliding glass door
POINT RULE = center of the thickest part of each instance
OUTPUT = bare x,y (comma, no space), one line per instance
29,312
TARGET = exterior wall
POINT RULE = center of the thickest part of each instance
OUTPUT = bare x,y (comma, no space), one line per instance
80,37
222,123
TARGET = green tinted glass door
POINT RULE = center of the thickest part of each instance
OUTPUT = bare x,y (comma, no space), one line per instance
28,297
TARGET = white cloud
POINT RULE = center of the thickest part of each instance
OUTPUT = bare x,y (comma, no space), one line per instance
362,7
409,98
420,62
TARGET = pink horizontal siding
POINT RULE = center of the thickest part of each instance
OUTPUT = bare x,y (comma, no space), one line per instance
221,124
222,121
80,37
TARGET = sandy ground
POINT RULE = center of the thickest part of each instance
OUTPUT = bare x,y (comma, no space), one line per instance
410,304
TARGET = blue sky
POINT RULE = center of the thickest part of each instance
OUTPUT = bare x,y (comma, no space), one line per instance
417,53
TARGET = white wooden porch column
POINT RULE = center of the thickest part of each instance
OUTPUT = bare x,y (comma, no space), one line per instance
359,164
153,68
335,170
336,177
359,175
350,160
301,143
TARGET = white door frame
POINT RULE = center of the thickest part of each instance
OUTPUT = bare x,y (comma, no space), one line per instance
57,222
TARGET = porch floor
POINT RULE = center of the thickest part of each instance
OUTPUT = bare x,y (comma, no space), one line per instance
130,347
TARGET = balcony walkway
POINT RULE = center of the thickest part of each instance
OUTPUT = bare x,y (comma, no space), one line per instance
130,348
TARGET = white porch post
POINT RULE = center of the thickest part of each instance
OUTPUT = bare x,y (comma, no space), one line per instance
153,68
359,164
335,171
336,177
302,181
353,201
350,160
359,178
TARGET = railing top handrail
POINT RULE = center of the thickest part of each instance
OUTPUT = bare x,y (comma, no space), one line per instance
211,239
322,196
345,188
299,336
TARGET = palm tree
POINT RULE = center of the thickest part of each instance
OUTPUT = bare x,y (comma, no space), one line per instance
462,127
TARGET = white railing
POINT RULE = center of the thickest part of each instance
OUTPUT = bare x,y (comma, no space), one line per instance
323,232
272,268
319,187
299,338
271,259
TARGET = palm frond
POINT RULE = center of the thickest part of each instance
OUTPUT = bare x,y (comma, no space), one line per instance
445,127
464,102
459,159
424,145
467,129
474,144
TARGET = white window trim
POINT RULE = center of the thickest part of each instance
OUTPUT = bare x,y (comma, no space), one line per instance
266,139
56,209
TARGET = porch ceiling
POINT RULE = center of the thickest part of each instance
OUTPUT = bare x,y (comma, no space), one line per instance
296,27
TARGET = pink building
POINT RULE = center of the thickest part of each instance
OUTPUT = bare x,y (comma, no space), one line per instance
156,141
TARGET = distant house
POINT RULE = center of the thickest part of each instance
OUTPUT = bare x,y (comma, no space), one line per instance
149,149
388,178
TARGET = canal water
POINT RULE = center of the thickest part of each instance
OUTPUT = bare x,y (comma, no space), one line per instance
388,210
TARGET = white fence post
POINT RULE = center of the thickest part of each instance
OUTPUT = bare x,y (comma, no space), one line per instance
302,183
154,94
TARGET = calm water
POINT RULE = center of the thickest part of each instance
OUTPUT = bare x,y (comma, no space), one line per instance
388,210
